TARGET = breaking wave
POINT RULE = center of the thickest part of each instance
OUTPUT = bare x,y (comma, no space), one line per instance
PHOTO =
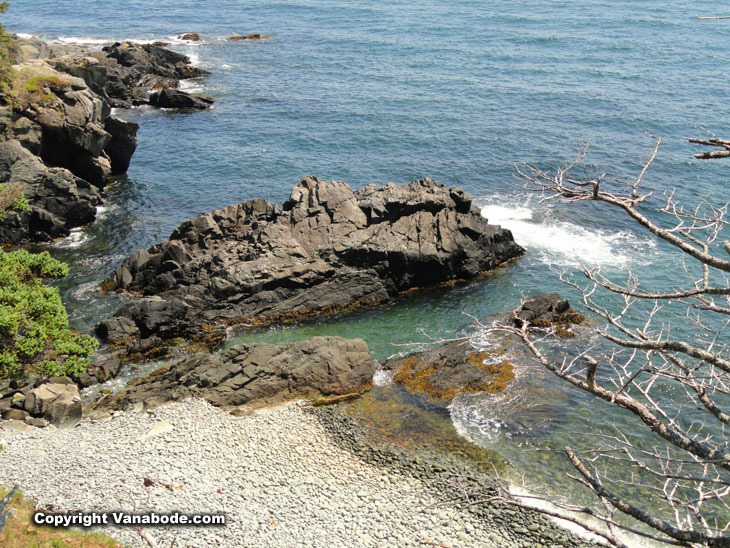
565,243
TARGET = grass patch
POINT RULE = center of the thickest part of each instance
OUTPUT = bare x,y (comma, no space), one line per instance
21,532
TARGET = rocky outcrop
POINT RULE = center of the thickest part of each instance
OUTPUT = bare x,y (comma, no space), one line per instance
256,374
60,142
124,74
327,249
58,138
58,200
548,311
452,368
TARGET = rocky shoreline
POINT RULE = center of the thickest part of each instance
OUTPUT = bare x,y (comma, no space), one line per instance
59,140
285,476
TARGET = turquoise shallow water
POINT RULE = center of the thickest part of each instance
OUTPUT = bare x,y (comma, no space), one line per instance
395,90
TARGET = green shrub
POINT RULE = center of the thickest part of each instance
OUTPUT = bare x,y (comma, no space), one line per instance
34,333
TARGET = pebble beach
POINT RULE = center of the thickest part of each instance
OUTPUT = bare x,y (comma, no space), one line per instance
279,475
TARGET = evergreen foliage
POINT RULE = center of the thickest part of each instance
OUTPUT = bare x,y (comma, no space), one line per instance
34,333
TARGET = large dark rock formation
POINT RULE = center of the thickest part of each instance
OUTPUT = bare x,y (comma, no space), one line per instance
58,138
327,249
124,74
256,374
60,142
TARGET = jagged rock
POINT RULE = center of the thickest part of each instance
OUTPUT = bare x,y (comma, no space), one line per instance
62,145
59,404
452,368
117,329
548,311
328,249
257,374
173,98
122,145
58,199
122,73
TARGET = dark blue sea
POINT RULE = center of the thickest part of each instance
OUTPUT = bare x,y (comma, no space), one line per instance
379,91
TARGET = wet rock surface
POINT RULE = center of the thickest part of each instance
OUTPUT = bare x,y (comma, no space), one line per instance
452,368
327,249
548,311
255,375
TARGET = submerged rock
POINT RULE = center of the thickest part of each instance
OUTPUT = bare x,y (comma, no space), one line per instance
255,36
327,249
546,311
257,374
455,367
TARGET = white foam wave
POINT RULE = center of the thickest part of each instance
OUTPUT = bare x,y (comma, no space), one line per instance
23,35
476,417
82,40
178,40
75,238
226,66
567,243
192,85
86,292
101,212
382,377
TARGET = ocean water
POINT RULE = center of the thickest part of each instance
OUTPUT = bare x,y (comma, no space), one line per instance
460,91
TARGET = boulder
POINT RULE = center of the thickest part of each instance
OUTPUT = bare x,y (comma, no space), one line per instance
190,37
451,369
15,414
173,98
548,311
59,404
327,249
256,374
